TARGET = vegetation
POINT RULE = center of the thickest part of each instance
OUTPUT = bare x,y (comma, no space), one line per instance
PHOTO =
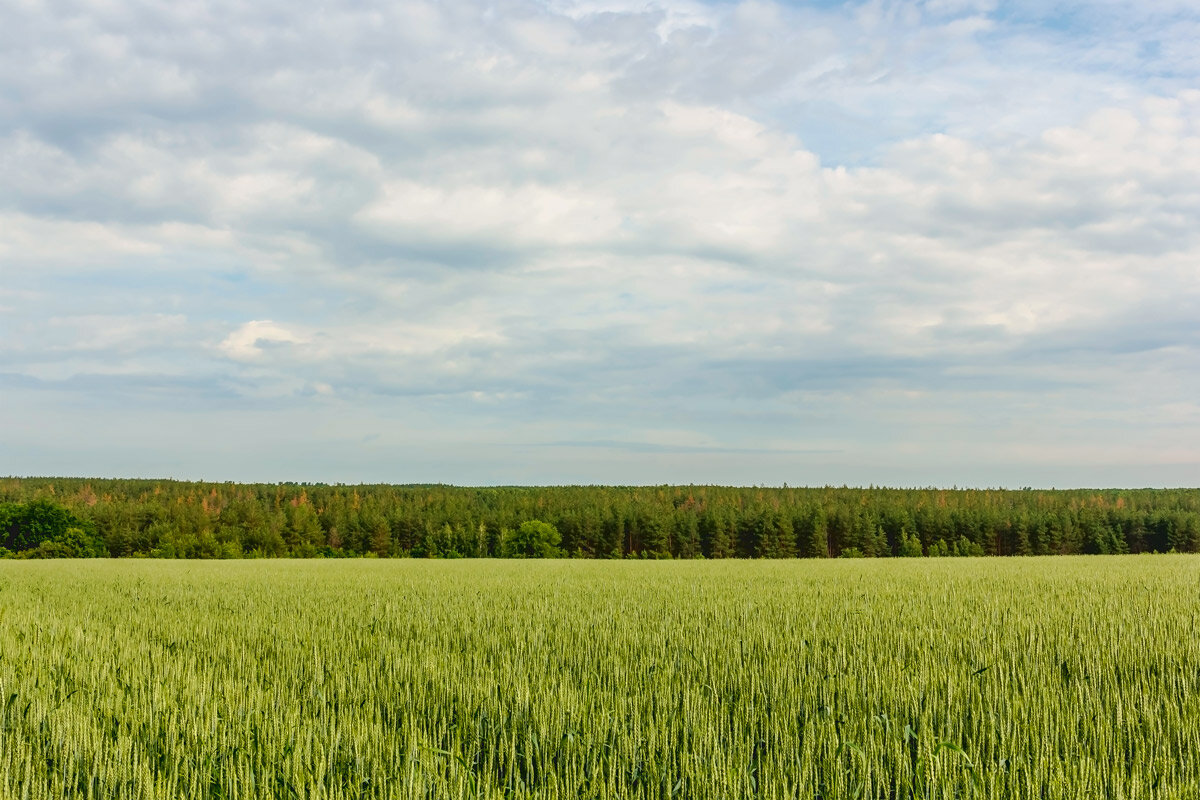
1020,678
44,529
224,520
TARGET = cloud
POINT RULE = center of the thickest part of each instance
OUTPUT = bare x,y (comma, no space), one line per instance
890,231
251,340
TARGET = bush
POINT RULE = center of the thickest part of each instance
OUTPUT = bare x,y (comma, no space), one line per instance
50,549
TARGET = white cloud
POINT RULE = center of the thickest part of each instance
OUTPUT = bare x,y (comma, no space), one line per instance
618,218
248,342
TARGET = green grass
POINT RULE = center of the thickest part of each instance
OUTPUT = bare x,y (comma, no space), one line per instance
1022,678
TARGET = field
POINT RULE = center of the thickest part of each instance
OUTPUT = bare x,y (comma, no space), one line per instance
1069,677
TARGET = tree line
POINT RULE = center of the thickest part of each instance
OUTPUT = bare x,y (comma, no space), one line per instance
52,517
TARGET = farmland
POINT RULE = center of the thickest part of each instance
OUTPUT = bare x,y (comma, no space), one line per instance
1066,677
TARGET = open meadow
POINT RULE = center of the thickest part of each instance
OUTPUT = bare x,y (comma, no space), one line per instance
1068,677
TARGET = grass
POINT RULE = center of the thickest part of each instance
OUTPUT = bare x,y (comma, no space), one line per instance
905,678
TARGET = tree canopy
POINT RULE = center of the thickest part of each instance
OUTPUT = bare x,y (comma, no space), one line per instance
47,529
179,519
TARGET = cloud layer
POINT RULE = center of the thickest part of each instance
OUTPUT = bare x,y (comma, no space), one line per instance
943,242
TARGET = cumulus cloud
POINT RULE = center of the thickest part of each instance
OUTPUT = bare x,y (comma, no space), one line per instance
852,239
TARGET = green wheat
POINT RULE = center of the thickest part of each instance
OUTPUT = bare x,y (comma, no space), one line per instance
1067,677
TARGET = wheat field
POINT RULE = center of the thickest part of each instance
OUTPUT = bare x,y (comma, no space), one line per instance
1070,677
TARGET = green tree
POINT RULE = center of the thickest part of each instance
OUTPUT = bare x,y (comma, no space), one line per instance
28,526
909,546
687,536
534,539
813,535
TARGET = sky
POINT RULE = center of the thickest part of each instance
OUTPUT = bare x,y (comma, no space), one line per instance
898,242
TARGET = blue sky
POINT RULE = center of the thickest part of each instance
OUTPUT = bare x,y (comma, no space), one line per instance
949,242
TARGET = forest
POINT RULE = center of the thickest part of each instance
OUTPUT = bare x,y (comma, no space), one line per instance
77,517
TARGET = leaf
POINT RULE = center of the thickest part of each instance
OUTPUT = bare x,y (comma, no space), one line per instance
952,747
849,745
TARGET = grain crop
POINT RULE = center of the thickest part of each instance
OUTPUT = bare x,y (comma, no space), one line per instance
1068,677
